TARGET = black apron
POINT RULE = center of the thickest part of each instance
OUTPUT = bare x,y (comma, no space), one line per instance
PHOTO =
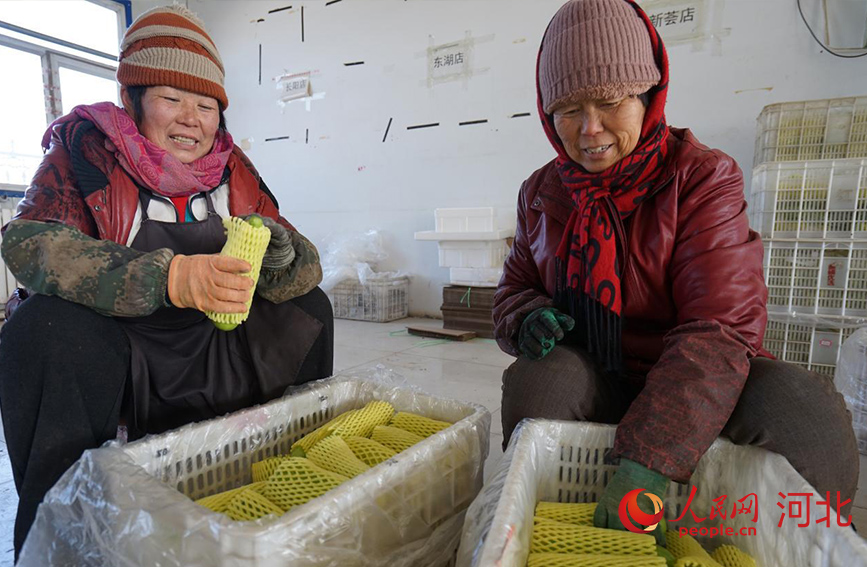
184,369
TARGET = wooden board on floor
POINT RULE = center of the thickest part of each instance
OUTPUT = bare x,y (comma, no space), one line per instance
439,333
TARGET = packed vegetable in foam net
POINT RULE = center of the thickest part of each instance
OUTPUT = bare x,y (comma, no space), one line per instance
246,240
332,453
563,536
395,438
577,514
420,425
571,560
551,536
135,503
345,447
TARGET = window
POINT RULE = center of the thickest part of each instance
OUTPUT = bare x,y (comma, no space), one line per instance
22,113
80,86
61,53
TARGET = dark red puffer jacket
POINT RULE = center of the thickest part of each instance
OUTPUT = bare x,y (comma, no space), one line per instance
693,291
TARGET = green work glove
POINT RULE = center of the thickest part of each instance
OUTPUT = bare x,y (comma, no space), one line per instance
540,331
630,476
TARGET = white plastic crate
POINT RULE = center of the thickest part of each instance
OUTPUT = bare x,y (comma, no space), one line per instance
474,219
563,462
813,129
816,277
379,301
132,504
434,236
818,199
808,341
476,277
473,253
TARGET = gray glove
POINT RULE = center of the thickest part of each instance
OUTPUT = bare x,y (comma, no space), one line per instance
280,252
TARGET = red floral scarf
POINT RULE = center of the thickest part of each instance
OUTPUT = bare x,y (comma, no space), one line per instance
591,255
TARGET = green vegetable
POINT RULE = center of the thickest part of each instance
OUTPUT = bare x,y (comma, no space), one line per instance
256,222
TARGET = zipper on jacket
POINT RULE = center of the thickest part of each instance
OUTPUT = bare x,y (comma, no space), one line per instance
621,232
618,223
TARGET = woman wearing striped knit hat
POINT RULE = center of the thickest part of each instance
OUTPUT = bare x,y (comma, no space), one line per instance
117,242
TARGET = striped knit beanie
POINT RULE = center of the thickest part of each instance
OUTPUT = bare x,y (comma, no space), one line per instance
595,49
169,46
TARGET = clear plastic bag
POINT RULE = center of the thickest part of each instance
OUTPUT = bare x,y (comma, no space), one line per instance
851,380
354,257
559,461
133,504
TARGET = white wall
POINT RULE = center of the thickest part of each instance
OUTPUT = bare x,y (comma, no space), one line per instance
347,179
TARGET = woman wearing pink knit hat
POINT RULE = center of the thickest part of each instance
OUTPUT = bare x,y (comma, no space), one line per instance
118,240
634,294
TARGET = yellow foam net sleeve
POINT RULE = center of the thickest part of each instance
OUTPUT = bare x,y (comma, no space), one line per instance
369,451
695,561
263,469
333,454
362,422
577,514
572,560
395,439
220,501
250,505
550,536
305,443
246,242
358,422
731,556
297,480
687,551
420,425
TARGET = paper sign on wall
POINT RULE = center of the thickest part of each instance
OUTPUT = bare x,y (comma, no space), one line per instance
678,21
453,61
448,61
293,87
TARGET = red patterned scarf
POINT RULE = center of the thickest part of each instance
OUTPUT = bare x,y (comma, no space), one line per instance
147,163
591,255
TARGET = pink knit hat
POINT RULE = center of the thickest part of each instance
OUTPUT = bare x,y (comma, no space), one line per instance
595,49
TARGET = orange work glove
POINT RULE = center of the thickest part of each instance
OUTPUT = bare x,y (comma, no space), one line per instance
209,282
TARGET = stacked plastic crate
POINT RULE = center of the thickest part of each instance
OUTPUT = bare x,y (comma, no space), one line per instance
474,249
809,202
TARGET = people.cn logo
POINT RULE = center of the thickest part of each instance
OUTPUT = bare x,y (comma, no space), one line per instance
630,503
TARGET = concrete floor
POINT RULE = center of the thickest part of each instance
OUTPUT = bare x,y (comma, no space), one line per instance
468,371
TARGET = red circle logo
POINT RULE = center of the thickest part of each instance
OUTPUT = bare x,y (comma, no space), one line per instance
630,503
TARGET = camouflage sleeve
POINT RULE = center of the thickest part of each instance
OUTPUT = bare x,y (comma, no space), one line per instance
112,279
302,275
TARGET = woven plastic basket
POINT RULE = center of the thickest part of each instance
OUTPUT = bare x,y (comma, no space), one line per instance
378,301
133,504
563,462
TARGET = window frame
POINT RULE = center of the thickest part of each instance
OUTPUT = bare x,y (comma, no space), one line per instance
53,60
